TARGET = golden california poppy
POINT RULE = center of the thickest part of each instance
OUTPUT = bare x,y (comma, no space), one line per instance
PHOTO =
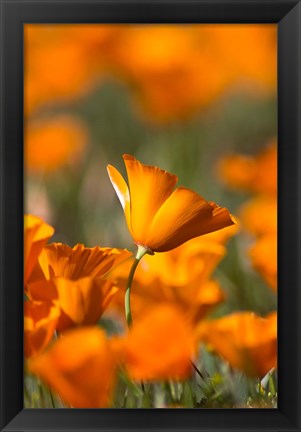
194,300
253,174
80,366
60,260
73,279
53,51
159,346
258,175
159,217
267,223
156,61
81,301
248,342
36,234
263,255
181,277
54,142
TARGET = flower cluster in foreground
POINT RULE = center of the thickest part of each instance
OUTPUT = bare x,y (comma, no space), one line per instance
158,298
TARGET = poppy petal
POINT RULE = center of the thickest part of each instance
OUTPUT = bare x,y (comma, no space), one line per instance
40,320
36,235
247,341
84,300
83,377
122,191
159,346
184,215
149,188
60,260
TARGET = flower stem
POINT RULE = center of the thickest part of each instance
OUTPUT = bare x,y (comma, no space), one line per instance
127,300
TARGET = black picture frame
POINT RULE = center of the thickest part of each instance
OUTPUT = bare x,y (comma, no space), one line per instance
287,14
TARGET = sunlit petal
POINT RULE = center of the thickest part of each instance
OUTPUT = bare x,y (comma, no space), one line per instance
83,300
184,215
59,260
36,235
159,346
40,321
248,342
122,192
149,188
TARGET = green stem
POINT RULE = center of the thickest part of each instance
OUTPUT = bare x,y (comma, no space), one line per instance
127,300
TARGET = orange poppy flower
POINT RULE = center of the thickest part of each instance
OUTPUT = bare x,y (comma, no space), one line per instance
53,142
81,301
195,300
252,174
40,321
60,260
267,222
222,236
159,217
258,175
36,234
263,255
158,61
80,366
159,346
52,51
248,342
180,277
254,69
73,279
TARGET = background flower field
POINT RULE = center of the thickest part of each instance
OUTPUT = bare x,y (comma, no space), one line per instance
198,101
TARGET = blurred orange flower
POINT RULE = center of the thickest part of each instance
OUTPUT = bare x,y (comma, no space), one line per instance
251,52
81,301
267,222
263,256
258,215
80,366
36,234
180,277
73,279
175,70
63,62
51,143
156,61
40,321
160,218
252,174
248,342
159,346
195,300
